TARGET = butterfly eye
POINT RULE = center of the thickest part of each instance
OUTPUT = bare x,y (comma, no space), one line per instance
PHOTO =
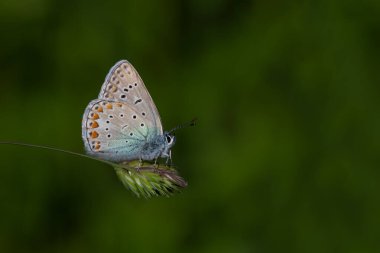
168,139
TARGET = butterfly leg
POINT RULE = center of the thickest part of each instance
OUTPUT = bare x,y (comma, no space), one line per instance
140,163
156,163
169,159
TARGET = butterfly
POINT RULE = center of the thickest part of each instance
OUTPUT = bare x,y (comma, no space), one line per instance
123,123
123,128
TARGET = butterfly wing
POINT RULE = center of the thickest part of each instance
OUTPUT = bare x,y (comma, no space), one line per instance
116,131
124,84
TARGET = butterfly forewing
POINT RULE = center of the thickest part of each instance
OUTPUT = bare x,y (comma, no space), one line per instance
124,84
116,131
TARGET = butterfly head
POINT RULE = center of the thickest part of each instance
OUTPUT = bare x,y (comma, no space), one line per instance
169,140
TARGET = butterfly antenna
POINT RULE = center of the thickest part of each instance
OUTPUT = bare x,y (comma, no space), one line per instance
50,148
187,124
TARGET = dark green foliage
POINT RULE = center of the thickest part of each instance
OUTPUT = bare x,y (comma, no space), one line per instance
285,154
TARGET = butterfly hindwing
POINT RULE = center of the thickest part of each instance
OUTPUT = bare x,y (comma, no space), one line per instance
116,131
124,84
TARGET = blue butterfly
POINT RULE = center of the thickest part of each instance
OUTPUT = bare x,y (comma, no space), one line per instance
123,123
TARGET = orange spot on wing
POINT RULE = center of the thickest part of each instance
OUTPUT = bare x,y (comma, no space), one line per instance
119,104
94,134
109,106
100,109
94,124
95,116
97,146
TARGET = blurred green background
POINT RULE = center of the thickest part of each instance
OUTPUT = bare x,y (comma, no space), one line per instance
285,157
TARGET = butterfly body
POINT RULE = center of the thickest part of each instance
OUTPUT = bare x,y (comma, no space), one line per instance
157,147
123,123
